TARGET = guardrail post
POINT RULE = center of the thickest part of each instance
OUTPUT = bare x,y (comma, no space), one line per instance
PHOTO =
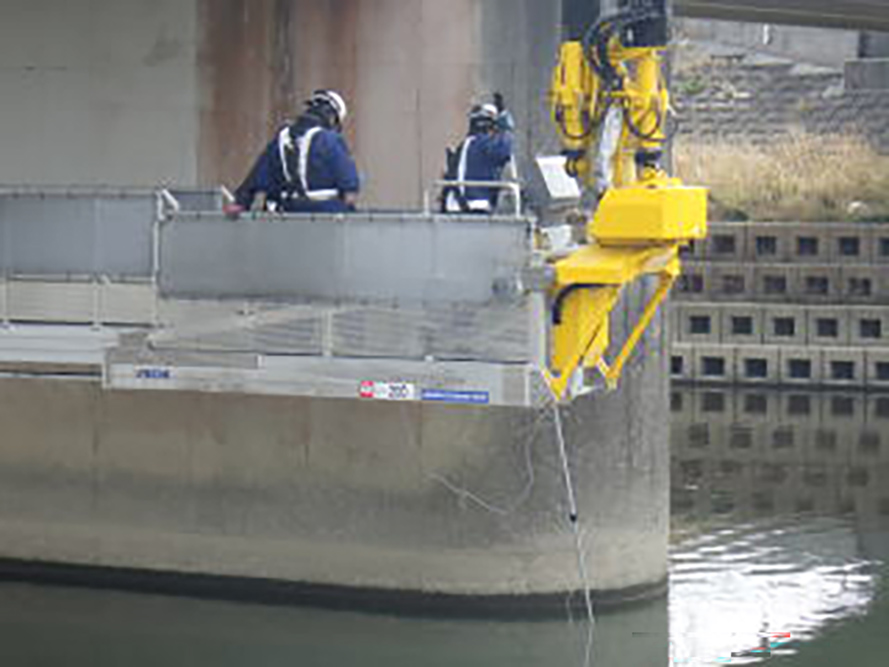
97,302
6,296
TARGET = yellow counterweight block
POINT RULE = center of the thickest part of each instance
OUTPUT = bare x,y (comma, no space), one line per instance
648,214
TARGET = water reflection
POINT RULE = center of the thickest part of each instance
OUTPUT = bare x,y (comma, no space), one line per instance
749,454
780,506
732,588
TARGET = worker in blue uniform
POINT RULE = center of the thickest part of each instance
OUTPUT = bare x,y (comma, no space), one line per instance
482,156
307,168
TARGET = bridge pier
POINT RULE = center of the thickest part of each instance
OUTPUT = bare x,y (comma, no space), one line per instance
425,506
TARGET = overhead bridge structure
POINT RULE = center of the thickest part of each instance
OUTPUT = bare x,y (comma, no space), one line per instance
845,14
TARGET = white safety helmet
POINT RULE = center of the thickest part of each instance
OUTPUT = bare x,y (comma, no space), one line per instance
482,118
483,112
332,99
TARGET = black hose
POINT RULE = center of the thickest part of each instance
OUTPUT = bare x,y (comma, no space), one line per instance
561,297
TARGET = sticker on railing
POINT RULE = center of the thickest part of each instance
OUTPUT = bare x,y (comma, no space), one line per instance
154,374
450,396
387,391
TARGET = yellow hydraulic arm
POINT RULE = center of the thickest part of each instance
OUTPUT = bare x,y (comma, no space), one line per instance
610,104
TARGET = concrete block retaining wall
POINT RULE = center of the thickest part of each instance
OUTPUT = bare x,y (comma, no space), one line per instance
784,303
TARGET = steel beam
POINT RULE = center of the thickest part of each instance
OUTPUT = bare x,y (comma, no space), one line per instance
848,14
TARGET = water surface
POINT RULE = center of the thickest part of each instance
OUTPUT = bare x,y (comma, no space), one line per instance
781,527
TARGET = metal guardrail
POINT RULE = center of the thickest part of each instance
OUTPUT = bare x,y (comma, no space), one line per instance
179,200
511,186
75,253
77,234
395,284
393,258
289,304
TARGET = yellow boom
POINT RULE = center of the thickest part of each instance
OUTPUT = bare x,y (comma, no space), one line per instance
610,105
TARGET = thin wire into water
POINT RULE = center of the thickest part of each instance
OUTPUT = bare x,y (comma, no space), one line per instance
574,516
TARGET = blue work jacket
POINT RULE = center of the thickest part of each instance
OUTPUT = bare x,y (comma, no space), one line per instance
296,184
485,157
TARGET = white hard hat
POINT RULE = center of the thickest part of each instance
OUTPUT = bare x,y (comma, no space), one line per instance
334,100
483,112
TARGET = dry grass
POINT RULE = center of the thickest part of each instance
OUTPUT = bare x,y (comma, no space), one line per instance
796,177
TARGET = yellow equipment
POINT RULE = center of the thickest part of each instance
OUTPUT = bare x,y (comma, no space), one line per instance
610,104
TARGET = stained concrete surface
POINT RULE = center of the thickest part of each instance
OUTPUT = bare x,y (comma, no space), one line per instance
189,92
98,92
410,69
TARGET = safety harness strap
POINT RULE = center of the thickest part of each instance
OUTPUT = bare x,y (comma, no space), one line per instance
295,165
474,205
305,146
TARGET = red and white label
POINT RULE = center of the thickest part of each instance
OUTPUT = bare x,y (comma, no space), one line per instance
387,391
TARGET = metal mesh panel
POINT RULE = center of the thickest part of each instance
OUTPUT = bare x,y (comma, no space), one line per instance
457,332
498,333
298,336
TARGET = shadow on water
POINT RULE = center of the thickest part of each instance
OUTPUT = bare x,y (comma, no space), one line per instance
781,525
45,626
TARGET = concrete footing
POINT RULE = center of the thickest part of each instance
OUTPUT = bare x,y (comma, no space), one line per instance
444,503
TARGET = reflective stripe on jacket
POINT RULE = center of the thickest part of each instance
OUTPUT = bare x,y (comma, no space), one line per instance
482,158
308,173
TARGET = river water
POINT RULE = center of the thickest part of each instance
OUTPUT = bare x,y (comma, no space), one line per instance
780,549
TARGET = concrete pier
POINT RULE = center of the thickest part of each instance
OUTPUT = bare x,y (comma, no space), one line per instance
439,505
120,92
419,499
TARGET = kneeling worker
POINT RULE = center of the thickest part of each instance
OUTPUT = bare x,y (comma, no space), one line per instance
482,156
307,168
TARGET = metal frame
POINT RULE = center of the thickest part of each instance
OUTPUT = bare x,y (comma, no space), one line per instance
504,370
166,204
98,279
512,186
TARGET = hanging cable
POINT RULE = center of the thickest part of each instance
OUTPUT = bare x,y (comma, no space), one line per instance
573,514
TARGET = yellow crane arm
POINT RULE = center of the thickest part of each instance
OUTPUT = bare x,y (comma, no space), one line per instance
643,217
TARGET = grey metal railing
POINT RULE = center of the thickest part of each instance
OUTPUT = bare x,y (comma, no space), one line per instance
178,200
393,285
358,257
511,186
72,253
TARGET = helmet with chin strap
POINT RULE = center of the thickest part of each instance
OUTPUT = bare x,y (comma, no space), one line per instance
330,105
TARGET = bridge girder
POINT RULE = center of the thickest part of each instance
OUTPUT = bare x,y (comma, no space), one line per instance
847,14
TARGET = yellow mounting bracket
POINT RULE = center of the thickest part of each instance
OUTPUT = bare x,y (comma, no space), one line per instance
637,231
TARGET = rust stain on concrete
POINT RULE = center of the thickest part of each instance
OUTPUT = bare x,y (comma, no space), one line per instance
235,86
258,60
326,49
283,65
408,69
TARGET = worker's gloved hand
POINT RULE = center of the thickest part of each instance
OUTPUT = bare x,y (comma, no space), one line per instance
505,121
233,210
